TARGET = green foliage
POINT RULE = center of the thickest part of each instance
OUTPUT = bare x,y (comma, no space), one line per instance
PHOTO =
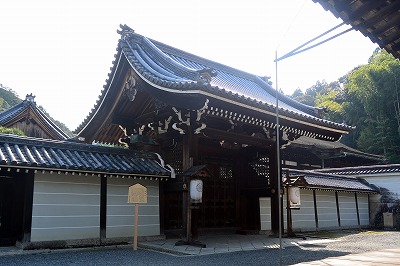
13,131
8,98
368,97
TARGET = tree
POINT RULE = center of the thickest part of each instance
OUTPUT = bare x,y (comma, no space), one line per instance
368,98
374,108
13,131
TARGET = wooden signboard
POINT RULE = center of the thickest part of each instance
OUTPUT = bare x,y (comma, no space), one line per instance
137,194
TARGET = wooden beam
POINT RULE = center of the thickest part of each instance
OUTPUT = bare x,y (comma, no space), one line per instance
238,138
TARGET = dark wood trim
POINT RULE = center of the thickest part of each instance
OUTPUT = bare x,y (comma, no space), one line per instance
238,138
358,211
27,205
103,207
275,194
315,209
161,205
337,208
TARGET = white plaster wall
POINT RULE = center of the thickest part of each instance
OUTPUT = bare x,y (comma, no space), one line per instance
326,208
265,213
348,210
304,218
363,209
121,215
65,207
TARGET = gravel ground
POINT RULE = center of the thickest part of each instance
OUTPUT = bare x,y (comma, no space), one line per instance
349,242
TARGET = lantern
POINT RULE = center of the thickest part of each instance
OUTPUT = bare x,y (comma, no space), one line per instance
196,190
294,196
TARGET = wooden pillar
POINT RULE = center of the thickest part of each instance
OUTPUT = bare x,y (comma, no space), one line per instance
357,208
189,156
103,208
275,194
27,207
315,209
337,207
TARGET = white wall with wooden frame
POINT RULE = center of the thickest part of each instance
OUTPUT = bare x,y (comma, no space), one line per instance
121,214
65,207
328,211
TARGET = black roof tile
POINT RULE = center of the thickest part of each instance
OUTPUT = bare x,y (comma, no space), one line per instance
170,67
363,170
42,154
315,179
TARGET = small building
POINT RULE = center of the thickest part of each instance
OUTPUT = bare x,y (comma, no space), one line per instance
29,118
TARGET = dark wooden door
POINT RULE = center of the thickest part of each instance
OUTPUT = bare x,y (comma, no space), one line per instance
218,209
7,211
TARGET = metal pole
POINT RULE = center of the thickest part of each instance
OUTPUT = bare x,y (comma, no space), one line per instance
278,157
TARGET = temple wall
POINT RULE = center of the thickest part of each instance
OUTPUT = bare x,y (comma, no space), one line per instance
348,210
65,207
326,209
303,219
121,215
265,213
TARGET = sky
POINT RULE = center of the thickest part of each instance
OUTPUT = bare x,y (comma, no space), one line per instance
62,51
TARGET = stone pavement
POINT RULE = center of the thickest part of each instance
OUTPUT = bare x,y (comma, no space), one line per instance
228,243
382,257
232,243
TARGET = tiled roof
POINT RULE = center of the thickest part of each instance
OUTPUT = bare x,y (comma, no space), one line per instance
29,104
363,170
327,146
331,181
42,154
167,67
378,20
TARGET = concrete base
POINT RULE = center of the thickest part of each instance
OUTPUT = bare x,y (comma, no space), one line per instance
81,243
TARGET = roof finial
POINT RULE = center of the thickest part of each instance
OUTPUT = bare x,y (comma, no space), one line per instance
30,98
125,31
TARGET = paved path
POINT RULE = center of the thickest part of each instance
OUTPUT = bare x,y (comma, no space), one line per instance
368,248
229,243
383,257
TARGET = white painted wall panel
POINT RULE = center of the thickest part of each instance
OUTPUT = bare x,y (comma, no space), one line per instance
265,213
65,207
304,218
348,211
363,208
326,208
120,214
